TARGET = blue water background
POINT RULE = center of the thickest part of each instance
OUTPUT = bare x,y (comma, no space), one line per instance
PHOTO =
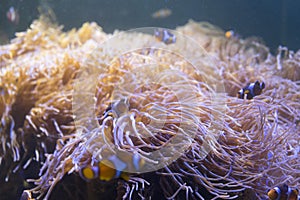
277,22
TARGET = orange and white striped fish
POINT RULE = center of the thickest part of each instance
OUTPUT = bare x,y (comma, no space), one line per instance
283,192
103,170
162,13
165,36
251,90
13,15
231,34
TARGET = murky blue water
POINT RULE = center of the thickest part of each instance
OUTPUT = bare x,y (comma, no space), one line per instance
276,21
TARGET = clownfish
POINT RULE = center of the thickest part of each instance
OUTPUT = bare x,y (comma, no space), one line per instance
26,195
232,34
13,15
162,13
251,90
283,192
165,36
105,172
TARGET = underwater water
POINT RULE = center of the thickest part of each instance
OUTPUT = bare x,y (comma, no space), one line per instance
200,99
276,22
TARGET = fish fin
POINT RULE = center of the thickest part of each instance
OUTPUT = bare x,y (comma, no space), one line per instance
125,176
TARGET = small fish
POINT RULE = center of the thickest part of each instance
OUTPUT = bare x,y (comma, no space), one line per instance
13,15
26,195
283,192
251,90
104,172
232,34
162,13
165,36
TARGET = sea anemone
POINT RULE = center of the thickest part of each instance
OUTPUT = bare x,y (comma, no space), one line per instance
69,100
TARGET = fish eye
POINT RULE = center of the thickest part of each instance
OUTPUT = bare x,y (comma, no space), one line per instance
88,173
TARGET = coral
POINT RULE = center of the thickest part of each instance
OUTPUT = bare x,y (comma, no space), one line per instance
235,148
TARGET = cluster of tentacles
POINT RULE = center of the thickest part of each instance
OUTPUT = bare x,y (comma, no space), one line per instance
57,88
